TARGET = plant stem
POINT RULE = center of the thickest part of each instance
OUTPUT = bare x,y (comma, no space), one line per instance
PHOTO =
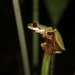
35,35
48,51
52,64
21,36
46,64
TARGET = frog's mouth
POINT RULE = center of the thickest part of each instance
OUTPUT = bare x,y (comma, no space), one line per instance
38,30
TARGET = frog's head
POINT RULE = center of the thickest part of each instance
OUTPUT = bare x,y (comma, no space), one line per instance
36,27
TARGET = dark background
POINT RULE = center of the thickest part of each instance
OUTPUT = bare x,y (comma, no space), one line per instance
10,53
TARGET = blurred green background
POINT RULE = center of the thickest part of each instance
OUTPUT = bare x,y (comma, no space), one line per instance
10,51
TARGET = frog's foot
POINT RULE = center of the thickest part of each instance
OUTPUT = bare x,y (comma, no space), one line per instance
43,45
57,52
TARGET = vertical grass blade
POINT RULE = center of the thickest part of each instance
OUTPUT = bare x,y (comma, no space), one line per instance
35,36
21,36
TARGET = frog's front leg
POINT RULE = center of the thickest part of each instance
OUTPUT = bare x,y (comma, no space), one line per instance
43,45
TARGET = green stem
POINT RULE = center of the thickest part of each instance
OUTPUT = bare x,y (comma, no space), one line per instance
46,64
35,35
21,35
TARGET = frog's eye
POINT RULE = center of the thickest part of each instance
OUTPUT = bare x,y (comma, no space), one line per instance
34,24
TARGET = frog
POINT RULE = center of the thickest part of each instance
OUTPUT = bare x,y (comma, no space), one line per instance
44,30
